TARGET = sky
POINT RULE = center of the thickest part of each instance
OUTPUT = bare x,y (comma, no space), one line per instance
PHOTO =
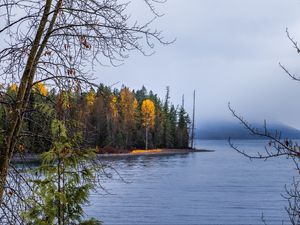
228,51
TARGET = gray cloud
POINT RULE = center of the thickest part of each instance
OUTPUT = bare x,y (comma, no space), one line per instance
227,51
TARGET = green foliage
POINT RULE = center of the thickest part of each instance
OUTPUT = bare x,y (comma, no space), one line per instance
66,179
103,117
91,221
37,124
182,129
65,125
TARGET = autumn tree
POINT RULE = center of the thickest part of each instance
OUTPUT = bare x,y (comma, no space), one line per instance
159,124
41,88
55,41
148,114
88,118
113,118
109,119
90,98
128,109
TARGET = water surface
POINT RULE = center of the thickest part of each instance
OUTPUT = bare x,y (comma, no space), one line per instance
220,187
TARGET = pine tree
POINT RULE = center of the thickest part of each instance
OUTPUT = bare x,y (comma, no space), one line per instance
166,121
183,127
66,179
173,124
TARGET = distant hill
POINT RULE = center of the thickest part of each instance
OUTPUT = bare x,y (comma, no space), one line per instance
219,130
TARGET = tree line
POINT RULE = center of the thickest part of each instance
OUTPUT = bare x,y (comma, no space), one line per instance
109,119
63,40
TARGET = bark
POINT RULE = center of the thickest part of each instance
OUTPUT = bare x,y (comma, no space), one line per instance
4,163
146,137
24,90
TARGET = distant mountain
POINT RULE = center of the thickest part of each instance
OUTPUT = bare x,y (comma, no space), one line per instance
219,130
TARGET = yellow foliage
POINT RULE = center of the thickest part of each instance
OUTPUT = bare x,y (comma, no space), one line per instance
41,88
148,113
64,100
13,87
114,99
90,98
113,106
128,106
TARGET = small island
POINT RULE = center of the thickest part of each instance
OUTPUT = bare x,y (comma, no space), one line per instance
107,120
112,122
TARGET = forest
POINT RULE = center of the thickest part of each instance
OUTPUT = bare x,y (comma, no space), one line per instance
109,120
49,105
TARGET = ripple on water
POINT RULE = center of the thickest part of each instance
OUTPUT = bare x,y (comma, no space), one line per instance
220,187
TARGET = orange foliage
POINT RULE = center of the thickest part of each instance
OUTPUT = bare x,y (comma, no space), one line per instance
128,106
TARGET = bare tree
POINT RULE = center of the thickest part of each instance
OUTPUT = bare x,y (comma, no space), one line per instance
277,146
58,41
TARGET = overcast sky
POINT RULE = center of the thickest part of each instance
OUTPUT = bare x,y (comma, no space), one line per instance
227,51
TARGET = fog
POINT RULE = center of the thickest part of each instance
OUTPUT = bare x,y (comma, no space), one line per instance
228,51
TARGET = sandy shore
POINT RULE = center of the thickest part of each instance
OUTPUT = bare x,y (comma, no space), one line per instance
35,158
157,152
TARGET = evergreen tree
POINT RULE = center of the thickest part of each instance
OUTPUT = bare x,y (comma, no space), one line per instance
67,177
182,130
173,126
166,121
128,107
105,118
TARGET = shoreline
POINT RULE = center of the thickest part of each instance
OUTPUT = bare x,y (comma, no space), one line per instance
155,152
35,158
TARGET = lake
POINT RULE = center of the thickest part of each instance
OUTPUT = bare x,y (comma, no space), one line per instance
220,188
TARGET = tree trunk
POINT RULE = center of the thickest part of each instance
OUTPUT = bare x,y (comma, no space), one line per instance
146,137
25,90
4,162
193,122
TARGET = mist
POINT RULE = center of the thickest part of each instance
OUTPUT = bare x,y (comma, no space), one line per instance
228,51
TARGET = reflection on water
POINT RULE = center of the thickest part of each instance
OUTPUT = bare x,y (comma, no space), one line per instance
220,187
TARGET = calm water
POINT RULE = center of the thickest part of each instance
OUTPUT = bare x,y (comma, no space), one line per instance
220,187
